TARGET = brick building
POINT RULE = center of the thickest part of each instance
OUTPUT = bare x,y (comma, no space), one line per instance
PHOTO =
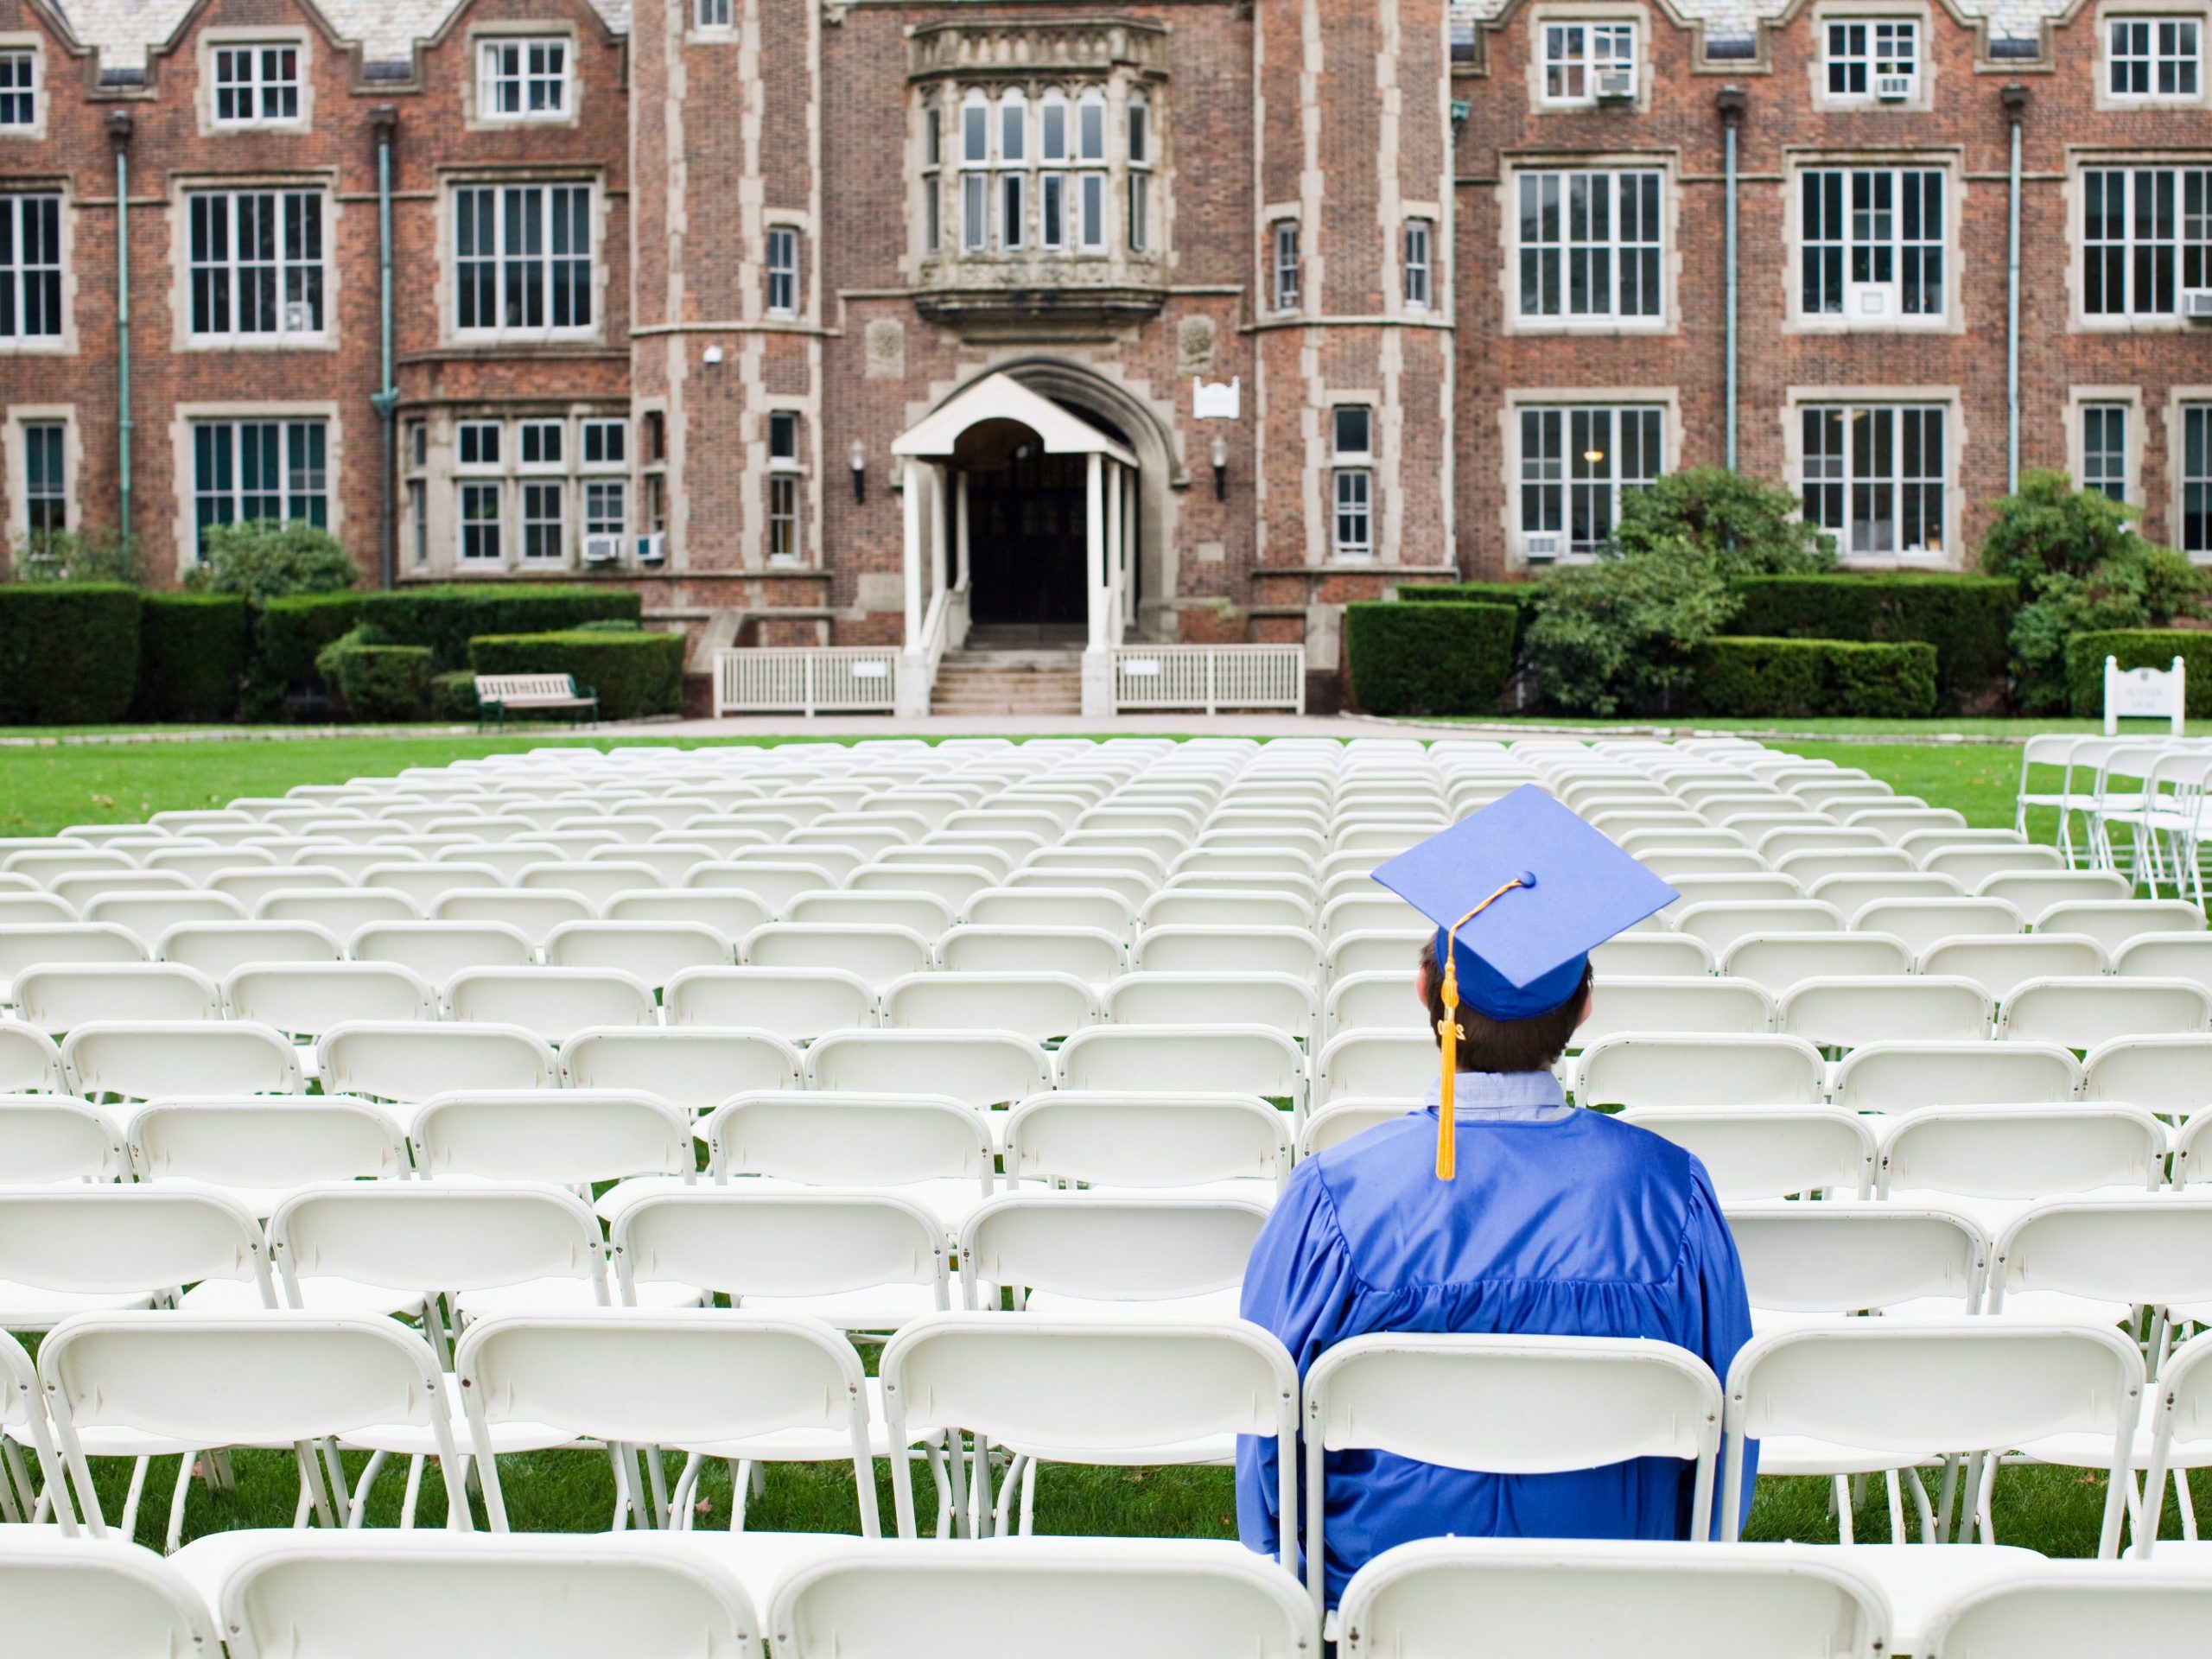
877,322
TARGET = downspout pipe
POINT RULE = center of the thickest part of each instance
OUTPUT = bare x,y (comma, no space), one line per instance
118,133
2015,97
385,400
1730,102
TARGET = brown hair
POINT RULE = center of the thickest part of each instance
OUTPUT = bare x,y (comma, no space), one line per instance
1488,1044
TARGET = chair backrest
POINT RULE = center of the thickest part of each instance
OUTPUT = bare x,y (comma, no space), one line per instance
1922,922
1285,1002
1648,1069
1972,864
1146,1139
1848,1258
216,948
695,1068
140,1059
431,1237
729,912
2153,1251
796,1004
858,1139
776,1243
122,1241
2033,892
1656,1600
2030,1152
1374,1063
2171,1076
305,999
53,1138
2083,1012
1780,962
1721,925
1041,1007
571,1137
268,1142
2167,956
1641,955
1221,950
534,914
654,952
1002,906
33,944
878,954
555,1003
99,1599
550,1595
1716,1007
1845,1012
1340,1120
2083,1607
1237,1059
1098,1248
62,995
2001,962
344,914
1755,1152
412,1061
1102,1598
981,1068
1907,1077
150,914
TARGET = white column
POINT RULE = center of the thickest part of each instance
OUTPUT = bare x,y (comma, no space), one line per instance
936,530
1128,546
1112,619
960,531
1094,545
912,569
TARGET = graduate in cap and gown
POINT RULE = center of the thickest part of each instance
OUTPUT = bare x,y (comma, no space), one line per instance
1498,1208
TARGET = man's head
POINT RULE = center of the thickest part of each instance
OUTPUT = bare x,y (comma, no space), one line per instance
1488,1044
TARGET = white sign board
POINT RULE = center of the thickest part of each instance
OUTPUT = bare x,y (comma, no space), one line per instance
2145,693
1215,401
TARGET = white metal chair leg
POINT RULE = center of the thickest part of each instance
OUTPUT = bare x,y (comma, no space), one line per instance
359,1502
1004,1512
174,1538
1839,1495
11,1482
1029,1498
740,1491
1929,1533
1947,1495
2188,1504
412,1494
311,1473
680,1501
933,1455
657,1478
130,1497
1985,1500
1896,1505
217,1465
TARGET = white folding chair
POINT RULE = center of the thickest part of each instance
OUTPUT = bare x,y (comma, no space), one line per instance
1759,887
305,999
978,1068
2063,1608
1339,1121
2086,1256
1168,1255
1907,1077
2170,1076
255,1148
2033,892
2082,1012
1645,1069
1522,1405
428,882
797,1004
693,1068
1992,1161
1179,949
575,1138
1828,1260
1646,955
58,1138
729,912
924,913
61,996
534,912
1042,1007
1374,1065
150,914
1552,1599
137,1060
2181,1441
217,948
1781,962
2167,956
554,1003
1720,925
931,1148
652,953
343,913
1755,1151
1224,1059
2001,962
1922,922
1224,1142
1848,1013
1714,1006
1047,907
437,951
1973,864
1392,950
878,954
2116,923
1283,1002
410,1061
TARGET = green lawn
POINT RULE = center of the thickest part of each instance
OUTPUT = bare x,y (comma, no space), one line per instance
2056,1510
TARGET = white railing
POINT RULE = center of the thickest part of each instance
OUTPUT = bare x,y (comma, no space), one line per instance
1209,677
944,629
806,679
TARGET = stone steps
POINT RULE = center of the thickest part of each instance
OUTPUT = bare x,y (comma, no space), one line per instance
1009,682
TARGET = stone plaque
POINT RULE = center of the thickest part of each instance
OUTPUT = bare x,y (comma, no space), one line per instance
887,349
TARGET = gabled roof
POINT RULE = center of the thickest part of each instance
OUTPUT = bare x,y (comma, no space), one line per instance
1002,397
2005,19
125,32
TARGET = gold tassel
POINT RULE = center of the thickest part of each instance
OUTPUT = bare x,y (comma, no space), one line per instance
1447,1032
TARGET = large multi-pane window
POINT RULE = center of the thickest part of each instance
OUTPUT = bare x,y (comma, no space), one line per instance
521,487
30,267
2146,238
257,85
2104,449
46,480
522,258
1576,466
1351,442
2196,479
1873,476
2154,57
18,88
522,80
1417,264
1871,242
1865,53
1586,61
1033,172
248,470
783,271
257,262
1590,244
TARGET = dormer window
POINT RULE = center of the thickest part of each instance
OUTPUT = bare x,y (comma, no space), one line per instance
1589,63
523,80
19,88
1873,58
257,85
2154,57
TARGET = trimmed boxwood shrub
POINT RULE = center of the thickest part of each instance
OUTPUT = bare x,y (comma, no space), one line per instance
635,674
191,655
447,619
68,652
378,682
1429,659
1797,678
295,630
453,696
1965,618
2137,648
1521,595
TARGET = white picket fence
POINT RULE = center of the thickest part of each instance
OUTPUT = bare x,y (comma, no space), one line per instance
806,680
1209,677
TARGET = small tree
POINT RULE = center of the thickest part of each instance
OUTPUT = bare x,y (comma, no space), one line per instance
264,560
76,555
1750,529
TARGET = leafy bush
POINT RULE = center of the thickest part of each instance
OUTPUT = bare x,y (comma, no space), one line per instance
294,630
266,560
1622,634
453,696
378,681
2137,648
446,618
1795,678
68,652
1967,618
191,656
77,555
1429,659
635,674
1521,595
2081,571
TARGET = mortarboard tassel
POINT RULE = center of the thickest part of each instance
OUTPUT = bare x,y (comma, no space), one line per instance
1447,1030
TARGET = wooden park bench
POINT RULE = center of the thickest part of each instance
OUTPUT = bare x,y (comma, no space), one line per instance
498,693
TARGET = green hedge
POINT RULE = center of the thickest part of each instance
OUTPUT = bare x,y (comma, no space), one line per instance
1429,659
447,619
635,674
295,631
1797,678
1521,595
379,683
453,696
191,655
68,652
1965,618
2137,648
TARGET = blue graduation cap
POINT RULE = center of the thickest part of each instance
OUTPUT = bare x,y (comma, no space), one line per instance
1522,892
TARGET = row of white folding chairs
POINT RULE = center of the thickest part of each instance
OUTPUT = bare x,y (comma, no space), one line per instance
1923,936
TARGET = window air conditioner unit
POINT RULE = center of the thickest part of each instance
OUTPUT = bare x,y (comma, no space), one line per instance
299,317
652,549
1616,86
2196,304
1872,301
602,549
1893,89
1542,547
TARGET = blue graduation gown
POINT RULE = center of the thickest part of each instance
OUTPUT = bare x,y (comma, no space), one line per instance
1561,1222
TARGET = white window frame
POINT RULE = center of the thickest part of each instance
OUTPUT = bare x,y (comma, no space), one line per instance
2192,451
1569,490
1872,228
712,17
613,456
472,491
1582,238
544,538
223,284
1093,233
525,63
1862,502
782,272
558,200
1574,51
534,430
2095,430
2161,45
932,112
1137,125
598,492
1286,269
785,498
22,90
1420,280
29,286
1351,513
296,501
33,433
276,75
2187,210
1870,56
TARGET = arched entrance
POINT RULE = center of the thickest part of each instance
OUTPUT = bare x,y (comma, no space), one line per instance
1025,543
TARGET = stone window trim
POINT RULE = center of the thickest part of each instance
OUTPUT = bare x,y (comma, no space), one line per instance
450,182
183,188
1949,398
1417,265
1667,164
15,463
712,22
1285,269
2196,12
1554,13
1797,163
2129,398
227,37
2074,192
784,290
184,416
65,343
788,497
1826,12
475,80
1666,399
2180,400
17,44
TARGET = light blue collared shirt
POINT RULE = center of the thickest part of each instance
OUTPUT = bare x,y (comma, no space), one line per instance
1504,1097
